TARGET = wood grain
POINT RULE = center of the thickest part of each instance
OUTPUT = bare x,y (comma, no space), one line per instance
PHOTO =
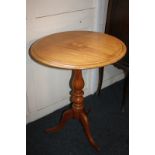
78,50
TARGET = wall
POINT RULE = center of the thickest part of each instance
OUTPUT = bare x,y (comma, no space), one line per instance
48,88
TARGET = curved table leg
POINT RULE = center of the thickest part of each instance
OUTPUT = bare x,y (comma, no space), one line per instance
65,117
85,123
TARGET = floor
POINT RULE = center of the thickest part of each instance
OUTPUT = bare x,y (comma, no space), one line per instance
109,126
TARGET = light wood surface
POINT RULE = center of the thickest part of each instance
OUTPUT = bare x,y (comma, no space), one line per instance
78,50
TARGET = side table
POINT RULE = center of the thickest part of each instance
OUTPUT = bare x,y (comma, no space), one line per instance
77,50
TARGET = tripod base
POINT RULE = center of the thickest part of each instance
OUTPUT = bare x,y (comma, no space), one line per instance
77,111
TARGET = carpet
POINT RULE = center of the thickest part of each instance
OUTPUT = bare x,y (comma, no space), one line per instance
109,127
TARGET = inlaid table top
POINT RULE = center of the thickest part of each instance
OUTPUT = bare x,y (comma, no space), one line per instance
78,50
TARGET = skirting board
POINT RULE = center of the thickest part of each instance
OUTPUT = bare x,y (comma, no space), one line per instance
47,110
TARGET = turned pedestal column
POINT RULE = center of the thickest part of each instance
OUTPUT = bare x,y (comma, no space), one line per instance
77,111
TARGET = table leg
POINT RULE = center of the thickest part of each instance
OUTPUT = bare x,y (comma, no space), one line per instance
67,115
77,111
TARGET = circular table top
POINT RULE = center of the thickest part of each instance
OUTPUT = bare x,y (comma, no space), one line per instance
78,50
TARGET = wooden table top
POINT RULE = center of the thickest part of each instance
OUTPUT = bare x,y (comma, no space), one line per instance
77,50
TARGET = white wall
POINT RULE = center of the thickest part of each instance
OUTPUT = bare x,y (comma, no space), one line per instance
48,88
